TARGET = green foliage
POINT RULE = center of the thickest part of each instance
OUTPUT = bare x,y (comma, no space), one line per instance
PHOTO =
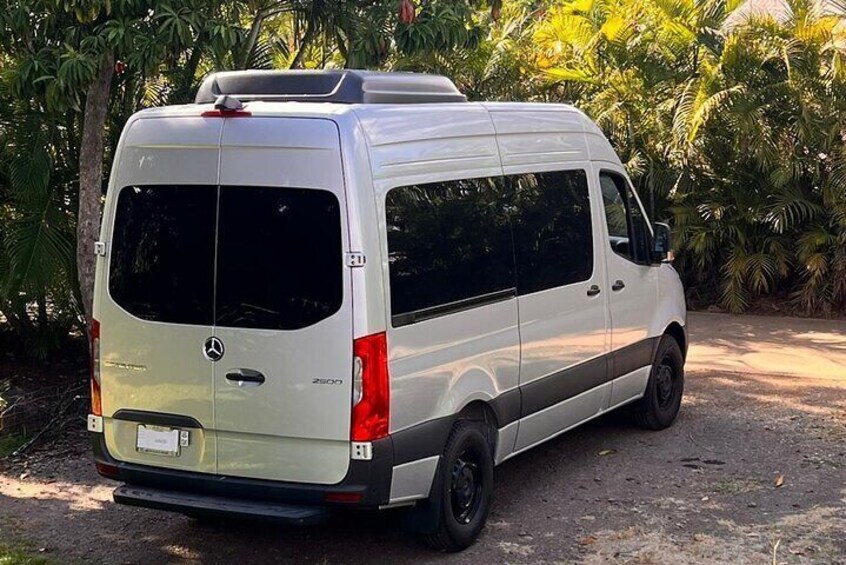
37,266
734,129
52,50
492,63
440,26
9,444
15,555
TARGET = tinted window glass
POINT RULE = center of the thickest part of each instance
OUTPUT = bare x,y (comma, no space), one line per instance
280,257
162,261
447,242
628,231
552,229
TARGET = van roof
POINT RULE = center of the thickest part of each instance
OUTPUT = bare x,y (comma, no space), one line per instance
387,124
367,94
326,109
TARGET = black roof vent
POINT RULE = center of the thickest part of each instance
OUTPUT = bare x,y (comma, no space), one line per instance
342,86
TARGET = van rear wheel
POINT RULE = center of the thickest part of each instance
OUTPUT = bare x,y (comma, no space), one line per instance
661,402
458,506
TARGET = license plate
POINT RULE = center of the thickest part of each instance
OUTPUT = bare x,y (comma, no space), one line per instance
157,439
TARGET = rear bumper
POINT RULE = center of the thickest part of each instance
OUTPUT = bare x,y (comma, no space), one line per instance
367,485
204,505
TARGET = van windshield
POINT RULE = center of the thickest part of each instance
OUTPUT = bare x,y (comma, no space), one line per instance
278,255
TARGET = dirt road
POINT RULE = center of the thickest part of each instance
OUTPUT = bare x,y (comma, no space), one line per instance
754,471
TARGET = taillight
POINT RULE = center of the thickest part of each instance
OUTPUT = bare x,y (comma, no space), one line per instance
96,400
371,404
107,470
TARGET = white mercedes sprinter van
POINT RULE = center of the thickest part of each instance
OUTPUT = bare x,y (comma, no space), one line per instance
346,289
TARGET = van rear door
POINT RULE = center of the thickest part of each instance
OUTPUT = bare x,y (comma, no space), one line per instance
283,312
155,291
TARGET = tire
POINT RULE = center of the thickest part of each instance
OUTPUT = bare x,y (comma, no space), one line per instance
661,402
458,506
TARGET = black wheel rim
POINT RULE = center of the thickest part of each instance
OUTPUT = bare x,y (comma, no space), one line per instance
465,488
665,381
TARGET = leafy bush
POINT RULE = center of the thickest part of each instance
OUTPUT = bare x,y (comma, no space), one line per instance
732,128
37,241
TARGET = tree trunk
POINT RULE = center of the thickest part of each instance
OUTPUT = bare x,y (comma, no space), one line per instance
252,39
297,63
342,49
91,180
12,319
190,70
255,29
42,312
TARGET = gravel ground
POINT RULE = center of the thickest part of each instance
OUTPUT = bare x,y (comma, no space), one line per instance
754,471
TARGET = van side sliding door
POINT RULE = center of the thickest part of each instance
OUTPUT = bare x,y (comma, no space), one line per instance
560,268
562,309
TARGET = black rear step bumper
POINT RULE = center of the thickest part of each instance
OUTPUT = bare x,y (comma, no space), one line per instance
202,493
204,505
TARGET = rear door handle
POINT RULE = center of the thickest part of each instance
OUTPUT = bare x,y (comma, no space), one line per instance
618,285
593,290
245,377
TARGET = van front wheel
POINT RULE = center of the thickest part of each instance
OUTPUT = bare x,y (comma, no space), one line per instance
461,495
661,402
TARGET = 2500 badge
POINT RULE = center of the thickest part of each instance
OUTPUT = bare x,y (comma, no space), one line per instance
327,381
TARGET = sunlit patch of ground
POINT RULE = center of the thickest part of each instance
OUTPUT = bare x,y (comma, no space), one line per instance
812,536
775,346
78,497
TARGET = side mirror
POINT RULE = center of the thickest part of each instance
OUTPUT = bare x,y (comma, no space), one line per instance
661,251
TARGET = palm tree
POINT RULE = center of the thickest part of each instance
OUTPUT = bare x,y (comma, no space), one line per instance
492,62
734,131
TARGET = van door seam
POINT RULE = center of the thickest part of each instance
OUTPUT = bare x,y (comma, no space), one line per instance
517,298
214,294
346,194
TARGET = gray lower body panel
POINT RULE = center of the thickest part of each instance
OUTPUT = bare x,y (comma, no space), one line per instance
199,504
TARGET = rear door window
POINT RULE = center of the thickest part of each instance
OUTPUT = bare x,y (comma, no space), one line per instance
275,261
162,263
280,257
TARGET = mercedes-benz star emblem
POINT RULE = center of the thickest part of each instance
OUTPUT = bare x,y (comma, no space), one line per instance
213,349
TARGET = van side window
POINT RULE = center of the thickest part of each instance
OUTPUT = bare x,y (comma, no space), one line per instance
552,229
449,247
628,230
162,256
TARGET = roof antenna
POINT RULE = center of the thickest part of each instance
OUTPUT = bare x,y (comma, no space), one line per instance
226,103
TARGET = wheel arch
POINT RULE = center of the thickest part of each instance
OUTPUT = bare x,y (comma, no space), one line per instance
481,411
679,333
